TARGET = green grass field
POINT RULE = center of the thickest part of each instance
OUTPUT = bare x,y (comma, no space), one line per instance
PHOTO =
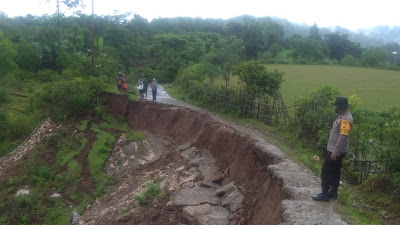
378,89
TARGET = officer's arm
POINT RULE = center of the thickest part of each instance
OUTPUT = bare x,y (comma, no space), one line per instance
343,138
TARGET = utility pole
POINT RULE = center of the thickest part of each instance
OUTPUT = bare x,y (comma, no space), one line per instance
92,38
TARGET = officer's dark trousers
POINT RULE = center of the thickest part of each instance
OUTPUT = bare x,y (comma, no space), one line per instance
330,175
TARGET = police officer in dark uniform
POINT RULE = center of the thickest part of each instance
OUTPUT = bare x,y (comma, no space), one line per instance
338,146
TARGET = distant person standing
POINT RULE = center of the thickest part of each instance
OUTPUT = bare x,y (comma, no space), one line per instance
338,146
145,87
154,89
124,85
141,88
119,81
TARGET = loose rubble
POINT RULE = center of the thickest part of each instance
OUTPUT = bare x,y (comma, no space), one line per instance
41,132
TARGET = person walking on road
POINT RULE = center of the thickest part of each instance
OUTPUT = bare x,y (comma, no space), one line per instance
154,89
141,91
145,87
124,83
338,146
119,81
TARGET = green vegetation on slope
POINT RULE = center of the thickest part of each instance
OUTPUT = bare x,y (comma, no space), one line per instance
59,165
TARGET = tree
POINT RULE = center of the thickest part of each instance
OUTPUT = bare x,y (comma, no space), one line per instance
7,56
340,45
258,79
26,57
314,33
257,34
225,54
309,49
373,57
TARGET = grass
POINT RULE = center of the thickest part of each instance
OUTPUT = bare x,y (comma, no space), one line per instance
83,125
65,173
377,88
132,91
152,191
61,176
135,136
100,152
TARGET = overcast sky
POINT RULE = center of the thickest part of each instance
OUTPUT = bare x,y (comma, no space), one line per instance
351,14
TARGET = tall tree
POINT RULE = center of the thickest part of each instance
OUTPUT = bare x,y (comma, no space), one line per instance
314,33
340,45
7,56
258,79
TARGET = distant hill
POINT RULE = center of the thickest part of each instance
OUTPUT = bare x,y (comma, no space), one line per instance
366,37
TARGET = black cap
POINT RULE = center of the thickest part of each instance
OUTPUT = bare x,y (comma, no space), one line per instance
341,102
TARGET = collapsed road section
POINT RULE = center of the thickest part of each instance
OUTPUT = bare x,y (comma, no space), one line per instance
243,178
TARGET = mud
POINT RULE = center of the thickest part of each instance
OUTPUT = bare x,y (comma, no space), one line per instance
275,189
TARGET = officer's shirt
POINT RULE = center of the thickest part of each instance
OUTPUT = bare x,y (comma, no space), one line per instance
339,138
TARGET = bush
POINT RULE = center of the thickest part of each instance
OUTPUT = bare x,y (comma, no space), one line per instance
68,98
314,114
349,60
152,191
3,95
47,76
3,125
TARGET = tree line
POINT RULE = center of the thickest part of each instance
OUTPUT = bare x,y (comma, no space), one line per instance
30,46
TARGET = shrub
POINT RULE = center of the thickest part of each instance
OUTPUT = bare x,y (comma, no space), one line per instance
350,60
314,114
47,75
20,125
258,79
3,95
3,125
68,98
152,191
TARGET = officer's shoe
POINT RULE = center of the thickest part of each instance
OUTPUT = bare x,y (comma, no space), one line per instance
321,197
332,195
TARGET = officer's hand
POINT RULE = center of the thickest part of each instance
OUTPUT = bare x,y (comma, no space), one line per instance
333,156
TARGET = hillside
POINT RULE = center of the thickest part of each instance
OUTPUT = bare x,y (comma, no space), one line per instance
371,37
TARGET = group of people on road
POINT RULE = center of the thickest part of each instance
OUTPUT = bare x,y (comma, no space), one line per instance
143,87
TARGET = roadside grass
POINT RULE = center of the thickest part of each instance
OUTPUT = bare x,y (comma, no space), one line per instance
299,151
377,88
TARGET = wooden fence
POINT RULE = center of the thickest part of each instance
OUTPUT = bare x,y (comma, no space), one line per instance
270,110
